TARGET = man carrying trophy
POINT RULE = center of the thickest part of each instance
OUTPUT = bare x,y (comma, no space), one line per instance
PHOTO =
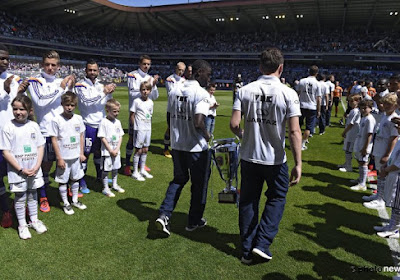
266,105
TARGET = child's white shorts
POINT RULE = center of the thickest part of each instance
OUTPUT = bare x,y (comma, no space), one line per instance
30,183
73,170
141,138
109,163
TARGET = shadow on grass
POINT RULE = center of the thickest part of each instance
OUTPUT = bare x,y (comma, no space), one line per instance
324,164
337,192
328,178
144,211
275,276
333,232
328,267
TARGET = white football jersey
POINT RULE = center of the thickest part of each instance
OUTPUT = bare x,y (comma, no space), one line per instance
135,78
309,89
354,118
324,91
46,94
6,112
367,126
22,140
385,131
68,133
183,104
173,81
143,113
91,101
112,131
266,105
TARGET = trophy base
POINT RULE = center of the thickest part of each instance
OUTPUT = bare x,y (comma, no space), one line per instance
227,197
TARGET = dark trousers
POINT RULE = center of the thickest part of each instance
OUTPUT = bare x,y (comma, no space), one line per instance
196,164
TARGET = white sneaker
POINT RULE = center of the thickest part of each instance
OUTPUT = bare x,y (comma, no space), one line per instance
389,234
375,204
38,226
304,148
68,209
346,169
146,174
79,205
138,176
368,198
108,193
358,187
23,232
118,188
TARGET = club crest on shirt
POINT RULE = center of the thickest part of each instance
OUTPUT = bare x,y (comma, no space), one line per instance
77,128
33,135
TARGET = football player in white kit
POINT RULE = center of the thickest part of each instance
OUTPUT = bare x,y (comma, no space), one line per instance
174,80
92,97
46,90
10,86
135,79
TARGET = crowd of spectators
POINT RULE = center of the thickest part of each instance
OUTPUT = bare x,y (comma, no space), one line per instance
125,40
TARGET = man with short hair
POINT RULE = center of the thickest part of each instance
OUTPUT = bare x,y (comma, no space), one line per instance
174,80
92,97
310,94
10,87
187,108
135,78
325,91
267,106
46,91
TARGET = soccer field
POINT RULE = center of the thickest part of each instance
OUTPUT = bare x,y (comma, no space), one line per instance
325,232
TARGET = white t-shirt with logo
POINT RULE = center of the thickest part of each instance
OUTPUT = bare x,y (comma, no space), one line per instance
22,140
367,125
309,89
183,104
68,133
354,118
385,131
135,79
266,105
143,113
112,131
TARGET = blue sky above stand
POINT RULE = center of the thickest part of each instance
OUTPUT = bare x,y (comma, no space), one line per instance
136,3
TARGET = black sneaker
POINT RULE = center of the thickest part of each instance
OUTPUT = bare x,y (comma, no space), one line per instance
201,224
246,260
163,224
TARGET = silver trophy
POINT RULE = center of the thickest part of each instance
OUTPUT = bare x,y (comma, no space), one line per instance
225,154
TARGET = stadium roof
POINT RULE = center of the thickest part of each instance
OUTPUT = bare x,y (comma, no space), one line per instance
218,16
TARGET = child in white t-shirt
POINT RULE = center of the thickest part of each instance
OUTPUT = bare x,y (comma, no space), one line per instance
385,140
67,136
23,148
363,143
350,132
212,113
142,111
110,133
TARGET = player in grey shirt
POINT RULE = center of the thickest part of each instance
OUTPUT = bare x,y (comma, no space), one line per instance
187,108
266,106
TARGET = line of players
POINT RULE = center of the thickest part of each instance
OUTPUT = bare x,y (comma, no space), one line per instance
52,97
372,128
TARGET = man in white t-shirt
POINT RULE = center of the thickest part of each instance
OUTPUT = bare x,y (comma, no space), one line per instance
266,106
309,91
331,85
173,81
325,91
135,79
187,108
92,98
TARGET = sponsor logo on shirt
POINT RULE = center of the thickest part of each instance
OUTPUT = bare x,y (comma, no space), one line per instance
27,149
72,139
77,128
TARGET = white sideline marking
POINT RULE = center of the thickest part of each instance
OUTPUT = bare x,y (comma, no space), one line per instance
393,243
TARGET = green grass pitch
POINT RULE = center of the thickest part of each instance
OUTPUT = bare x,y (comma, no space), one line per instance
325,232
